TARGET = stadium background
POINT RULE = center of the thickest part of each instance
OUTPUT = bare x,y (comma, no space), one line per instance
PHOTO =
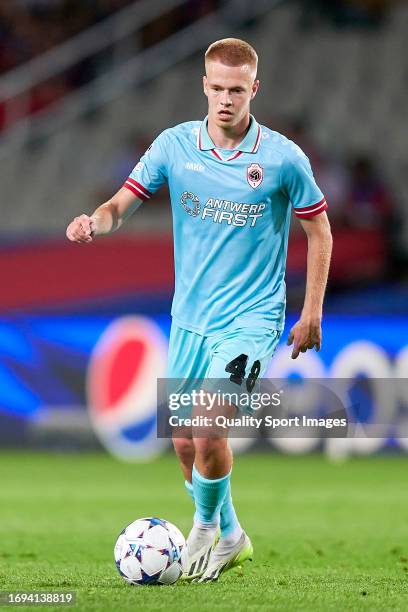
84,88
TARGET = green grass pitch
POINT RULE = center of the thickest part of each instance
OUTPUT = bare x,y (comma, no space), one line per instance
326,536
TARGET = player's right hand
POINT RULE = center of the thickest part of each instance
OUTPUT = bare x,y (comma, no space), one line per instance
81,229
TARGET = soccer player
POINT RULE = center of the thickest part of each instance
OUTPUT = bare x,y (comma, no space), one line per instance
233,184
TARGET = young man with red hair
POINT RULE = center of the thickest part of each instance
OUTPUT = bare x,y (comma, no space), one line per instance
233,184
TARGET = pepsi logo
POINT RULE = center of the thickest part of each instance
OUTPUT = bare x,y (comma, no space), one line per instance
122,387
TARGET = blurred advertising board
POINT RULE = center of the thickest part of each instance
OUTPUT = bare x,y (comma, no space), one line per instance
86,380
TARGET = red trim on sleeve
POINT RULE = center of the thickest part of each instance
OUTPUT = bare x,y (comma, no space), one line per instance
140,187
311,211
135,190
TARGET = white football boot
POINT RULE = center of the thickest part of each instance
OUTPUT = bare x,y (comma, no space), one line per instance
224,558
200,544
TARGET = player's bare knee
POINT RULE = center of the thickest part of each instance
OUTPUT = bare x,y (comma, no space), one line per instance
208,449
184,448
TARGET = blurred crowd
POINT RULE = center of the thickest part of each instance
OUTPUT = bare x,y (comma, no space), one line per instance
361,201
346,13
356,189
31,27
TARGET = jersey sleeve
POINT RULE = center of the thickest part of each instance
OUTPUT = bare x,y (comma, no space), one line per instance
150,173
298,182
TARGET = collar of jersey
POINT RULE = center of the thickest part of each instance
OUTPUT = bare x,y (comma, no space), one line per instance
250,144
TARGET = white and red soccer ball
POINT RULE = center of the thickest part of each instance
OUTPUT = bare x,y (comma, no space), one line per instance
151,551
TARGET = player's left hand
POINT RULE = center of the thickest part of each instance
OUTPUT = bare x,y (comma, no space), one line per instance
305,334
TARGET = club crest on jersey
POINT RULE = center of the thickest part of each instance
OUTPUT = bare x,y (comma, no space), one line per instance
190,203
254,175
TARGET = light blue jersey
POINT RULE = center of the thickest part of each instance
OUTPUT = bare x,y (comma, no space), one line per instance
231,217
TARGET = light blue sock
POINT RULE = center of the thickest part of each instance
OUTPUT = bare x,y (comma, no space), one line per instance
229,521
189,487
209,495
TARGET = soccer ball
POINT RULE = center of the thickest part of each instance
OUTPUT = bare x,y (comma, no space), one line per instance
151,551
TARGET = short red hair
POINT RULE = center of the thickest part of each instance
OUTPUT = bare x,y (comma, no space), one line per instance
232,52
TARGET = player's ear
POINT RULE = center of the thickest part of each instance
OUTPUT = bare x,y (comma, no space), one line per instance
205,87
255,87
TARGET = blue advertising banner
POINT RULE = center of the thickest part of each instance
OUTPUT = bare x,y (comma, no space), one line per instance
56,370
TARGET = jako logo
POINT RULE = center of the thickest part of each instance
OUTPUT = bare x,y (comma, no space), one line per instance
122,387
194,167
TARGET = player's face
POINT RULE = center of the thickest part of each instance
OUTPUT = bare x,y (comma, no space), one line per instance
229,90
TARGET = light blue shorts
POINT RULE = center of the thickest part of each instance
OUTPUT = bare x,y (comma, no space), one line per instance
239,356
